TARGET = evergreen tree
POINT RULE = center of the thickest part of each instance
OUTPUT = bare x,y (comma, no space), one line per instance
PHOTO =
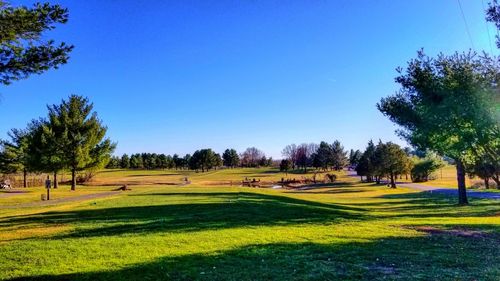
23,48
338,156
231,158
125,162
81,135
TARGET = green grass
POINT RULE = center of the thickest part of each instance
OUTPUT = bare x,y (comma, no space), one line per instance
345,232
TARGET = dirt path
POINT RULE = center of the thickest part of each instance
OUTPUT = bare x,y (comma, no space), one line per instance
62,200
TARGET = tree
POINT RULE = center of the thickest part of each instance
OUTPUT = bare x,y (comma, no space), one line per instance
447,105
290,153
354,157
391,160
231,158
323,156
136,161
23,48
125,162
15,153
251,157
285,165
487,169
365,165
217,161
339,156
81,134
424,167
493,15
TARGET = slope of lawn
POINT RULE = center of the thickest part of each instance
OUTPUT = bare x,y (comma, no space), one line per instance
349,232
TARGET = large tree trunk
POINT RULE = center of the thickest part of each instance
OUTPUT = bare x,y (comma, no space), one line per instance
25,178
462,192
56,184
393,183
73,179
487,183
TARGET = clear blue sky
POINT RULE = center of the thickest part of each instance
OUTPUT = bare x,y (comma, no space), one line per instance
175,76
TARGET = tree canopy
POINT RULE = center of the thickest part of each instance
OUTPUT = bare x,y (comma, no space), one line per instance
23,48
449,104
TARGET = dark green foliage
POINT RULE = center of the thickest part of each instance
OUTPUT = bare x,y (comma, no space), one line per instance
204,160
322,157
365,167
125,162
487,169
449,104
15,152
390,160
285,165
80,134
23,48
231,158
354,157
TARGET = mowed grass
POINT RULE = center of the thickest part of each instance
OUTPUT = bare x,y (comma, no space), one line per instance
348,231
221,176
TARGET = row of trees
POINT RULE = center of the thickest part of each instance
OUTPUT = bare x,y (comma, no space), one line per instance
323,156
71,138
203,159
391,161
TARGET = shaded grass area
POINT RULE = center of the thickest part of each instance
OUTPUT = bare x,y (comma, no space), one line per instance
356,232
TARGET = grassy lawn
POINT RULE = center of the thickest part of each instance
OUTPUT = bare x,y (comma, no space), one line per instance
350,231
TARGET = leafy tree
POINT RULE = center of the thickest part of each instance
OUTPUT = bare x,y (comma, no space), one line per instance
231,158
125,162
424,167
81,134
449,104
339,156
285,165
23,48
487,169
390,160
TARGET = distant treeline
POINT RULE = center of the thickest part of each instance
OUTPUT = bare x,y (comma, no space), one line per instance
203,160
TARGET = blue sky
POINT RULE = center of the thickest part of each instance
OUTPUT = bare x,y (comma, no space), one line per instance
175,76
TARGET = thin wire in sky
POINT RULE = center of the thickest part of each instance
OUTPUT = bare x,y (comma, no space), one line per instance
487,29
466,25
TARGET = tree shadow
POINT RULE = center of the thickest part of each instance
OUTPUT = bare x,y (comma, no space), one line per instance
233,209
424,257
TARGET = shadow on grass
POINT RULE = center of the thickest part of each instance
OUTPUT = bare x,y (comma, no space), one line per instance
426,257
231,210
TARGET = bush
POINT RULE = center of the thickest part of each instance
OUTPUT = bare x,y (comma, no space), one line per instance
423,169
